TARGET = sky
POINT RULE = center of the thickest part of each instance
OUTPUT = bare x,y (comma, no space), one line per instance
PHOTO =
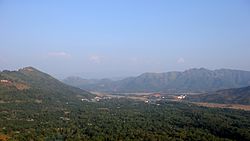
119,38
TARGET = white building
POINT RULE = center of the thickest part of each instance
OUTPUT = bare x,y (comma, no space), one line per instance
181,97
4,81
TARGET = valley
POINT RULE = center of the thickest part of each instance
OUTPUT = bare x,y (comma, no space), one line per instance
47,109
122,119
124,70
149,97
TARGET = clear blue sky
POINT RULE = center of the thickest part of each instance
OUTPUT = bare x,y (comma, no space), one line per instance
103,38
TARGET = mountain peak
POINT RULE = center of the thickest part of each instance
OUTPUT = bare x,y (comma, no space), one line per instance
198,69
28,69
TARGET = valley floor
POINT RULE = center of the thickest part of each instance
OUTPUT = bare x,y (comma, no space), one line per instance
147,97
121,119
230,106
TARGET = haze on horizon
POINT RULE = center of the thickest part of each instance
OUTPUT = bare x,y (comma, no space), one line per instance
98,39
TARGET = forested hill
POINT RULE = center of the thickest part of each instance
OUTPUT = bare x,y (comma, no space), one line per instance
192,80
31,85
228,96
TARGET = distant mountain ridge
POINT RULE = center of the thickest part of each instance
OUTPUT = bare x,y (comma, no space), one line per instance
227,96
30,85
192,80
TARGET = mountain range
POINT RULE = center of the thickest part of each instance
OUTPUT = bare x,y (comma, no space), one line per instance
29,85
193,80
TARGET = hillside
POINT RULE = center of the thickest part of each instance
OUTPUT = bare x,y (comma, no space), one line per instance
90,84
193,80
228,96
31,85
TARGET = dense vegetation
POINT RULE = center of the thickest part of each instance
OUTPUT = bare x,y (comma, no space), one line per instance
122,119
35,106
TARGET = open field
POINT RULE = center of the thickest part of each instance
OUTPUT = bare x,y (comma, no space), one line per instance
231,106
145,96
